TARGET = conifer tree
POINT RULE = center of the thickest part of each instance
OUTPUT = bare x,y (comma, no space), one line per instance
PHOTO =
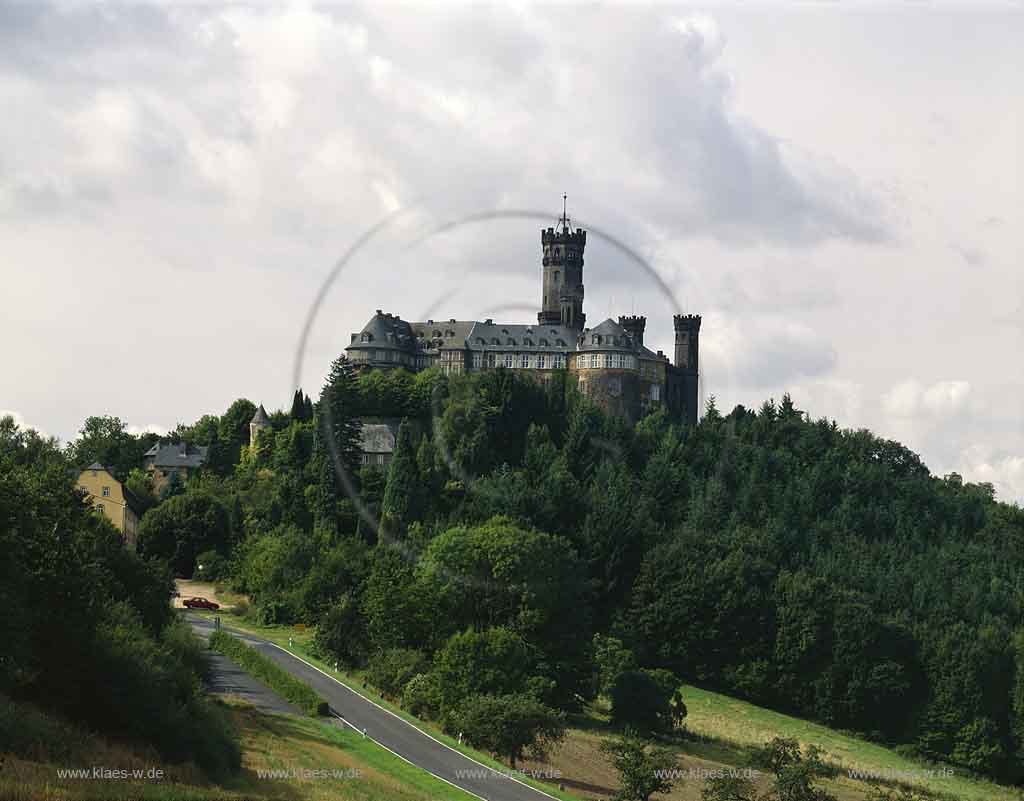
337,441
404,491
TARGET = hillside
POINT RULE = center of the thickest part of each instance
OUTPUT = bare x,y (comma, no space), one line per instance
352,769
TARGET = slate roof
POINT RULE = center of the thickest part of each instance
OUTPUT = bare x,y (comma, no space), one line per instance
538,338
260,418
384,331
176,455
439,334
95,466
378,437
609,335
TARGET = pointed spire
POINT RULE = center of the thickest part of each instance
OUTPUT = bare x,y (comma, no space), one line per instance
564,220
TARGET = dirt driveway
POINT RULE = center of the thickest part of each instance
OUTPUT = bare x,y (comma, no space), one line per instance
187,588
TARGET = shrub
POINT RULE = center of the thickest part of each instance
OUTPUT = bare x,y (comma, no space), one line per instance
509,725
641,699
391,670
422,696
241,608
341,633
281,682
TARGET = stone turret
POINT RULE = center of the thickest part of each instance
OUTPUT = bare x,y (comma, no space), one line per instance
562,292
687,332
634,326
260,422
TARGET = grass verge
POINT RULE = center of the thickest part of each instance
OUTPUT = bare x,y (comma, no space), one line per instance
253,662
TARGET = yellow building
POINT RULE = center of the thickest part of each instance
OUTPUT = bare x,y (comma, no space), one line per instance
113,499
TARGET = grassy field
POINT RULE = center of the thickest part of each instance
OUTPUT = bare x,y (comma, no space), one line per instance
351,768
727,721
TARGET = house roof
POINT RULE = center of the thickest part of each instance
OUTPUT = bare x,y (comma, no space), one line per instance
378,437
95,466
178,454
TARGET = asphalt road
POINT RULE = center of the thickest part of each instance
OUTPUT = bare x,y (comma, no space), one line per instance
228,678
389,730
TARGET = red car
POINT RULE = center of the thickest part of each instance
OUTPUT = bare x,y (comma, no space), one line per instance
199,603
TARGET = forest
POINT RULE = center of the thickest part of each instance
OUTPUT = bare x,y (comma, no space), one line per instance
523,553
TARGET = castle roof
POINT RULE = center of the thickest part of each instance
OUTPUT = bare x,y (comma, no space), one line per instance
260,418
384,332
435,334
609,335
492,336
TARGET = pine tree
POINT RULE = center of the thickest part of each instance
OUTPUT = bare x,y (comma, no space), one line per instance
403,495
337,442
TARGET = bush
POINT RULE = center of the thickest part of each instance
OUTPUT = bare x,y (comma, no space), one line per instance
341,634
509,725
391,670
158,697
641,699
281,682
422,696
210,566
241,608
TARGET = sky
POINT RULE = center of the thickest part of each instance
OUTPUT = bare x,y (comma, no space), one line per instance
835,188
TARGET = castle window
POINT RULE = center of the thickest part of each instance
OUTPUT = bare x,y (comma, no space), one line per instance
490,360
655,392
495,341
99,508
508,359
478,359
511,341
106,492
593,360
524,360
608,360
557,274
559,361
540,361
543,343
528,342
596,339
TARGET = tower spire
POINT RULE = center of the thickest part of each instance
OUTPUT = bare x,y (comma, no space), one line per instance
565,218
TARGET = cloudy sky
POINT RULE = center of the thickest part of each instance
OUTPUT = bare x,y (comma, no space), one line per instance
836,188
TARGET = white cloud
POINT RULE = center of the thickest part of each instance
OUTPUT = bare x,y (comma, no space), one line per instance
941,399
20,421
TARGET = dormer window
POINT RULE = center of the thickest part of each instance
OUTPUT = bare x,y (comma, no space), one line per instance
543,343
596,339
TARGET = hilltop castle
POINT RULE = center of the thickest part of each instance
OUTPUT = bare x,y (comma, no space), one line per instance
612,365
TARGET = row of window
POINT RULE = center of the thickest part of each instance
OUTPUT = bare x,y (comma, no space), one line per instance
615,361
521,361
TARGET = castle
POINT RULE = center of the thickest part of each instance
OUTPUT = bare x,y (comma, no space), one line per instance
612,365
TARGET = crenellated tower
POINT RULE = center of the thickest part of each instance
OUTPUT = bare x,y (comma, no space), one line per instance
634,326
562,301
687,357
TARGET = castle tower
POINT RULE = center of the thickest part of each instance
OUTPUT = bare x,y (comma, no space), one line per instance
687,351
634,326
259,422
562,301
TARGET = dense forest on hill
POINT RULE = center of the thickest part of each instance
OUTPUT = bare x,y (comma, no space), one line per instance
527,541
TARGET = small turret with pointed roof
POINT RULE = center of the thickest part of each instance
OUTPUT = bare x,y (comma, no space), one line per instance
259,422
